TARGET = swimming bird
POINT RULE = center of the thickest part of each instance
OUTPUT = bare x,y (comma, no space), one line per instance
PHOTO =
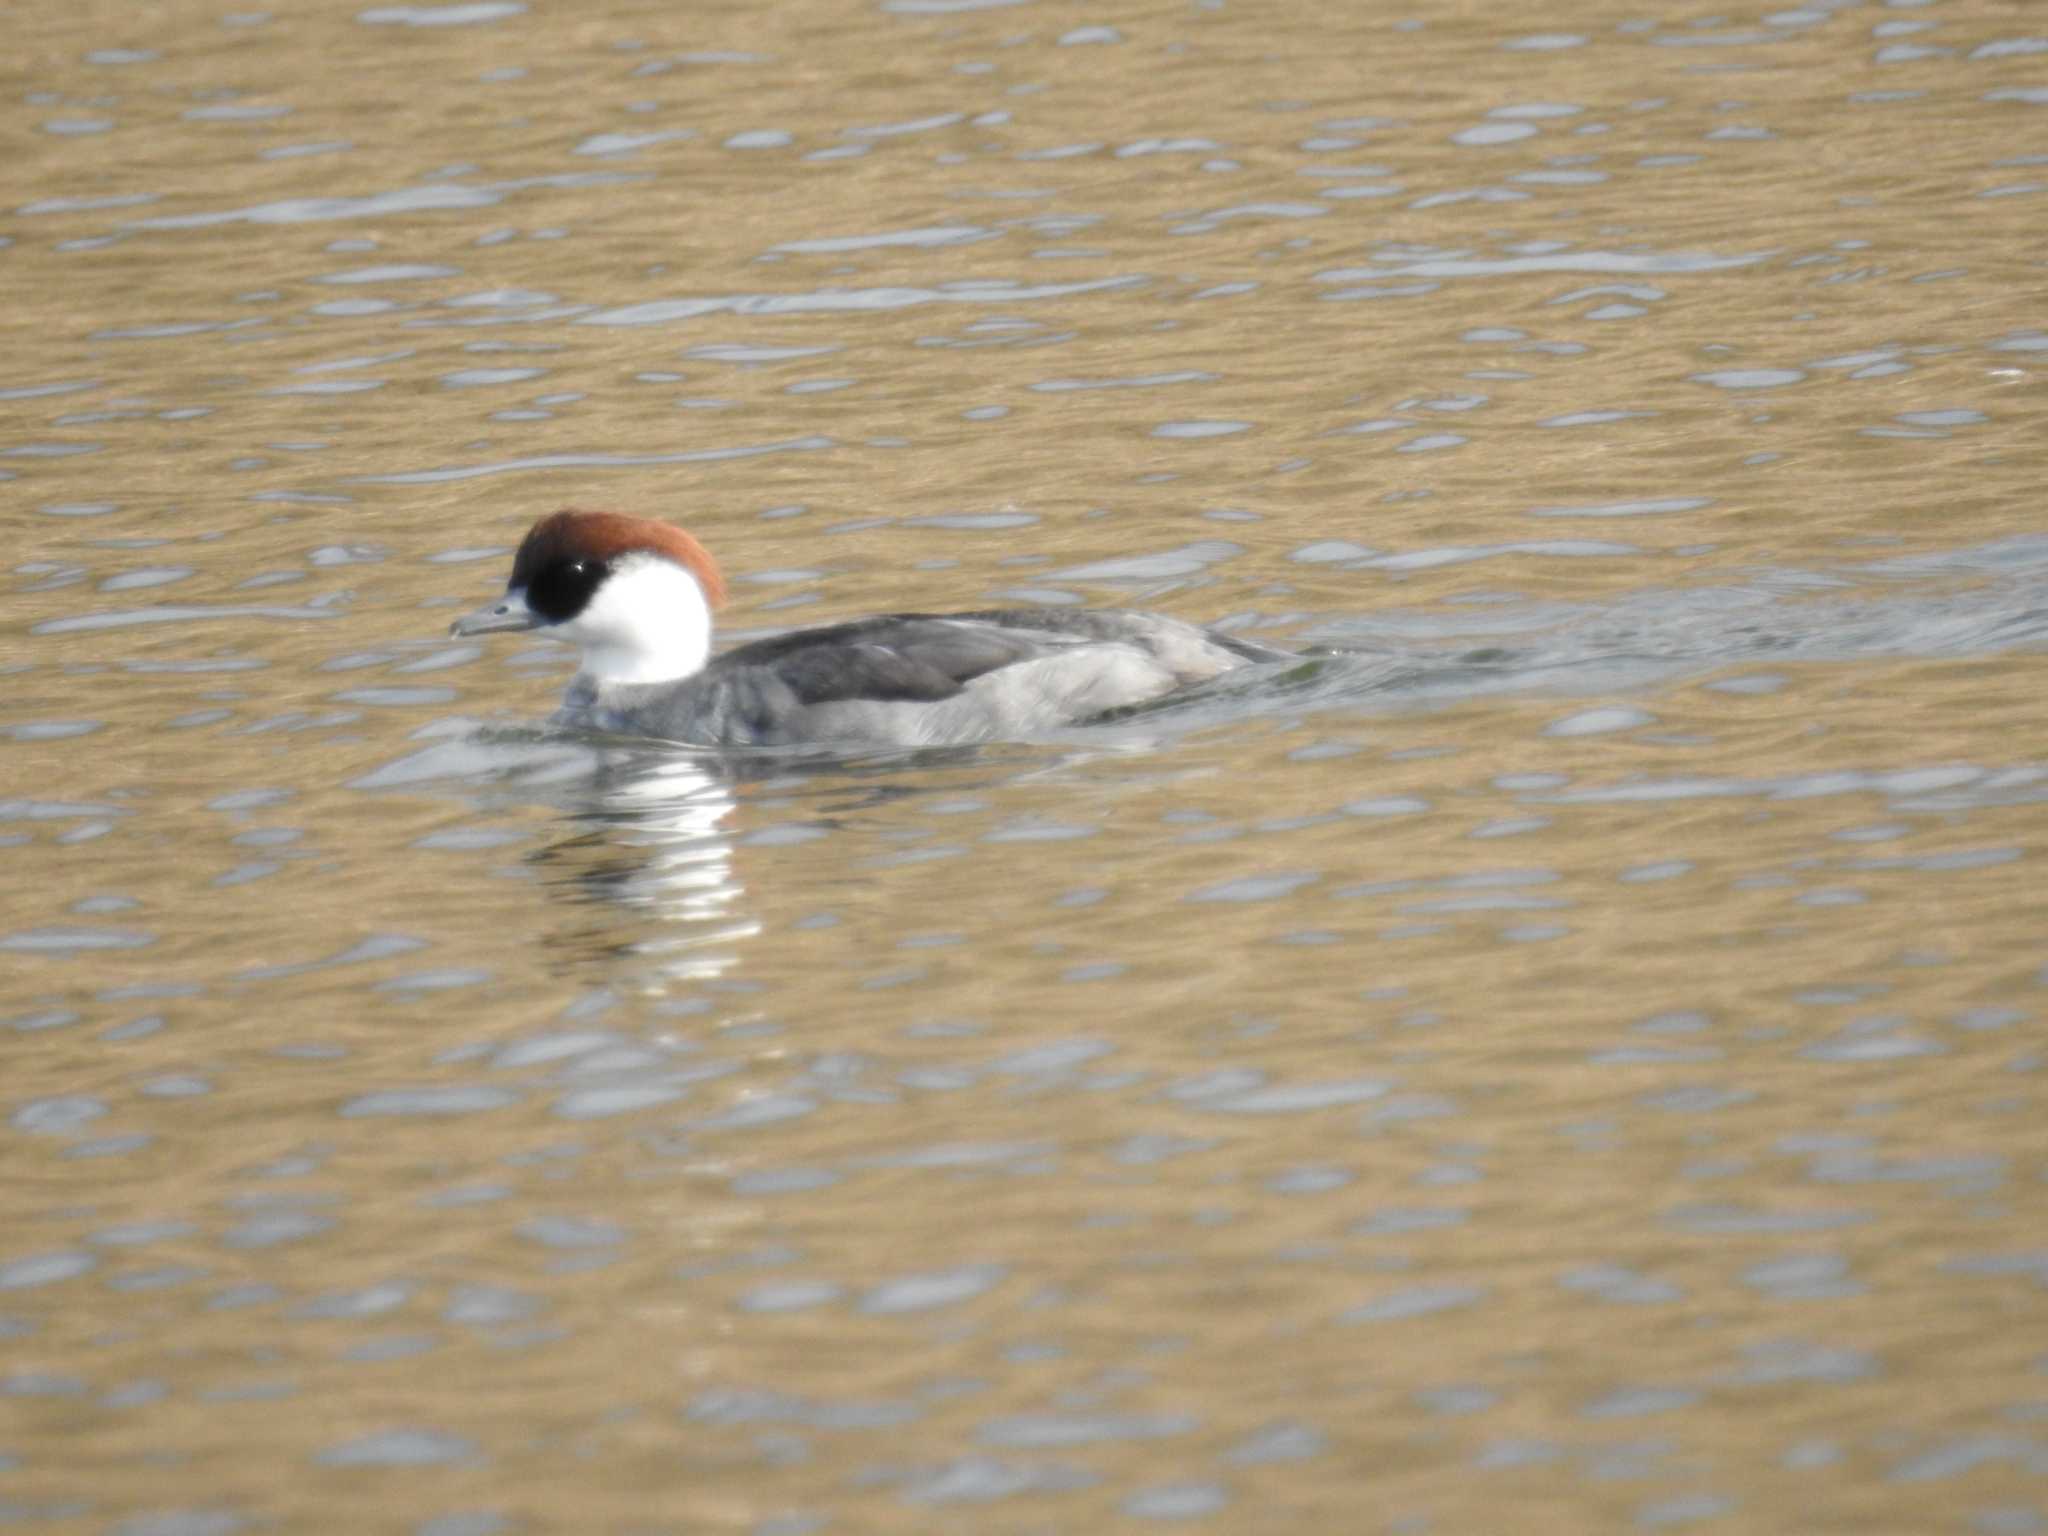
637,595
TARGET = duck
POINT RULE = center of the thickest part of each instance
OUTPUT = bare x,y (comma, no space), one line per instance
636,596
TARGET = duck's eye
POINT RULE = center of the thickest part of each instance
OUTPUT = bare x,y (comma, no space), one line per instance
560,590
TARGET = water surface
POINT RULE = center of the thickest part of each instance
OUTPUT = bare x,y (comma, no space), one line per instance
1568,1057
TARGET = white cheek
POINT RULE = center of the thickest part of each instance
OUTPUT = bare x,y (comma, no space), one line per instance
648,622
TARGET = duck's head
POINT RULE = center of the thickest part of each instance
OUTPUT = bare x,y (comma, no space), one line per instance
634,594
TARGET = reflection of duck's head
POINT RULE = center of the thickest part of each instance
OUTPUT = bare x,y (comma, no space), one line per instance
646,833
637,596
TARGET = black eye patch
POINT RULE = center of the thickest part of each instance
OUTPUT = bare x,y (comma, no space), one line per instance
561,587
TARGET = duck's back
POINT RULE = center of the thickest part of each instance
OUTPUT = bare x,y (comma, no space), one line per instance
916,679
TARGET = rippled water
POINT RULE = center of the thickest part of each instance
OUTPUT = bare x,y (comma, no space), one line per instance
1567,1056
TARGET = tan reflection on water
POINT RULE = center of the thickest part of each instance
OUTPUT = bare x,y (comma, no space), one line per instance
1379,1113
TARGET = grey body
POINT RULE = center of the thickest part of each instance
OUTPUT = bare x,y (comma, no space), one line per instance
912,679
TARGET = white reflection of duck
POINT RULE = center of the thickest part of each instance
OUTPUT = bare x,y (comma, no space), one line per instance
669,810
646,830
